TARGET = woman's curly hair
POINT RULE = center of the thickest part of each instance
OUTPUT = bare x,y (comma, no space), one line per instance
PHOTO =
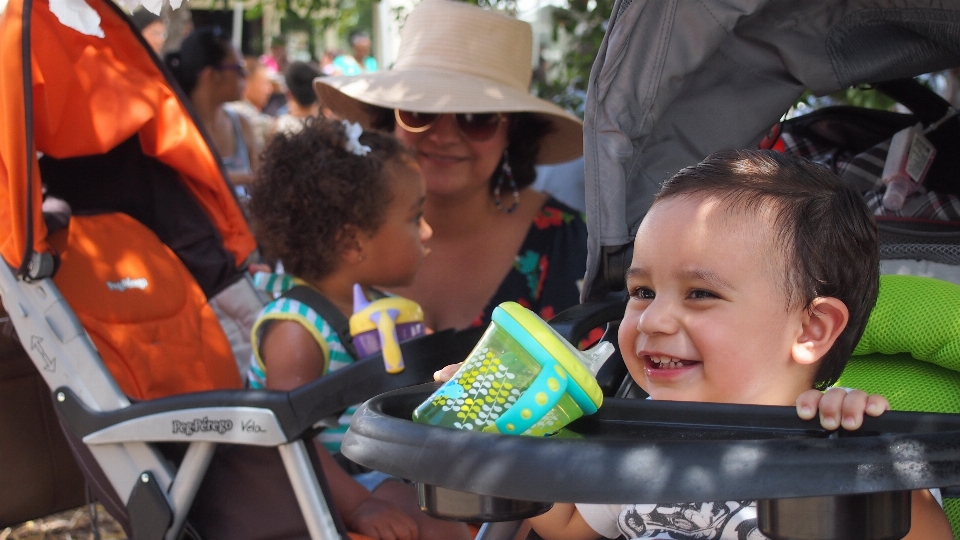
310,188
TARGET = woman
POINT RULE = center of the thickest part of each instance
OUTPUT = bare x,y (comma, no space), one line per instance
211,72
256,95
458,94
152,27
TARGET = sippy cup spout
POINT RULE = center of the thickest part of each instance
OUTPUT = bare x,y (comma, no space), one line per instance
359,298
594,358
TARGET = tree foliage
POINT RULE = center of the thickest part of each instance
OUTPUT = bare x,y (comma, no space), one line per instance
579,28
317,16
506,6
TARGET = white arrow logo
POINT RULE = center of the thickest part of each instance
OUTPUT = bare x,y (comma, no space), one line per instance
49,364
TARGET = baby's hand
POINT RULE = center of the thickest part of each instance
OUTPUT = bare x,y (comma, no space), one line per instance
381,520
446,373
836,403
254,268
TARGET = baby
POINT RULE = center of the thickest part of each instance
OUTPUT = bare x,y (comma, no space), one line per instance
752,279
338,206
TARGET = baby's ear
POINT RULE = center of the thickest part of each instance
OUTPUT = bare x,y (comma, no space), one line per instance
822,324
348,241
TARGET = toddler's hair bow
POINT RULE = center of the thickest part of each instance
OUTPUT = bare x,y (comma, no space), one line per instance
354,131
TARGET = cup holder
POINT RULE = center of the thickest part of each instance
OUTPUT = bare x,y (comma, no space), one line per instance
870,516
456,505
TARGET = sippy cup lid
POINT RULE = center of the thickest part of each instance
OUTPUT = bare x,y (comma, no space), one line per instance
545,344
407,311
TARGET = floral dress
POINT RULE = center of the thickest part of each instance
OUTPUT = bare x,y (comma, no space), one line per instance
547,273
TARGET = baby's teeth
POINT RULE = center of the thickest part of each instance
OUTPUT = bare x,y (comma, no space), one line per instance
666,362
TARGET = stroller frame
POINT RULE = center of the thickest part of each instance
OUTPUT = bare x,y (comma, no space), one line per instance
117,431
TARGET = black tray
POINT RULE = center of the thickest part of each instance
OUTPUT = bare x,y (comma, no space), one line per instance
635,451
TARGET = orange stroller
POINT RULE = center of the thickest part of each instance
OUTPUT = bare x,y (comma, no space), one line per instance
133,309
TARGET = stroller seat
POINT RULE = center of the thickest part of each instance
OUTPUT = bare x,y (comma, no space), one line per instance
146,315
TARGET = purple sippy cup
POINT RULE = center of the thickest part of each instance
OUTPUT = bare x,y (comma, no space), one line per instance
384,324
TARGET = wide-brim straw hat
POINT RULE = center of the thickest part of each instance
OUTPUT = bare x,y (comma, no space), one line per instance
457,58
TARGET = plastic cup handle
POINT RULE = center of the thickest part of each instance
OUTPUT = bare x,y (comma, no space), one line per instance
387,328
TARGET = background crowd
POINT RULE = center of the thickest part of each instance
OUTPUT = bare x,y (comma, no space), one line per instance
248,99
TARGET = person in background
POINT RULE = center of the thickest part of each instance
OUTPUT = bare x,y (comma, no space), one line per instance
211,72
326,63
359,61
301,99
256,94
458,95
259,85
277,102
152,27
276,60
565,182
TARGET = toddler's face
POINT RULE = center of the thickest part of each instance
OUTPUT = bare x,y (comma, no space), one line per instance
396,249
707,317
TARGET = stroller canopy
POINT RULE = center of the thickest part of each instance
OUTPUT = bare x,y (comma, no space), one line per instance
676,80
65,94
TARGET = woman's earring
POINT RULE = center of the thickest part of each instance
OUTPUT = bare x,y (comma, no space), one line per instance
506,175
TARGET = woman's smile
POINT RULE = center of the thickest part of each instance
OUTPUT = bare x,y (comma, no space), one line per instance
442,158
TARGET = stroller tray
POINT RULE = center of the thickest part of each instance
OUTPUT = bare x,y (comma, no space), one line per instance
662,452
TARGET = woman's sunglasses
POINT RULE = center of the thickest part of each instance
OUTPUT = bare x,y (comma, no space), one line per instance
477,127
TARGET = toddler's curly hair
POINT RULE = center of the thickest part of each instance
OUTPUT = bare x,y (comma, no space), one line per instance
311,191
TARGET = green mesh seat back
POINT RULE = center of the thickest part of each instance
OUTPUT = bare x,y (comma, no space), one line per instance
908,384
910,352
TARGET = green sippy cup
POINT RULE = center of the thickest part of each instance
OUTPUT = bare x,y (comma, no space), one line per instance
522,378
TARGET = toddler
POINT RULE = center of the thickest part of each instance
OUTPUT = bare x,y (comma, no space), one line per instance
752,279
339,206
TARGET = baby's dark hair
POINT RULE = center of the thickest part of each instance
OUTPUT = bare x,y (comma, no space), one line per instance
822,228
311,191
